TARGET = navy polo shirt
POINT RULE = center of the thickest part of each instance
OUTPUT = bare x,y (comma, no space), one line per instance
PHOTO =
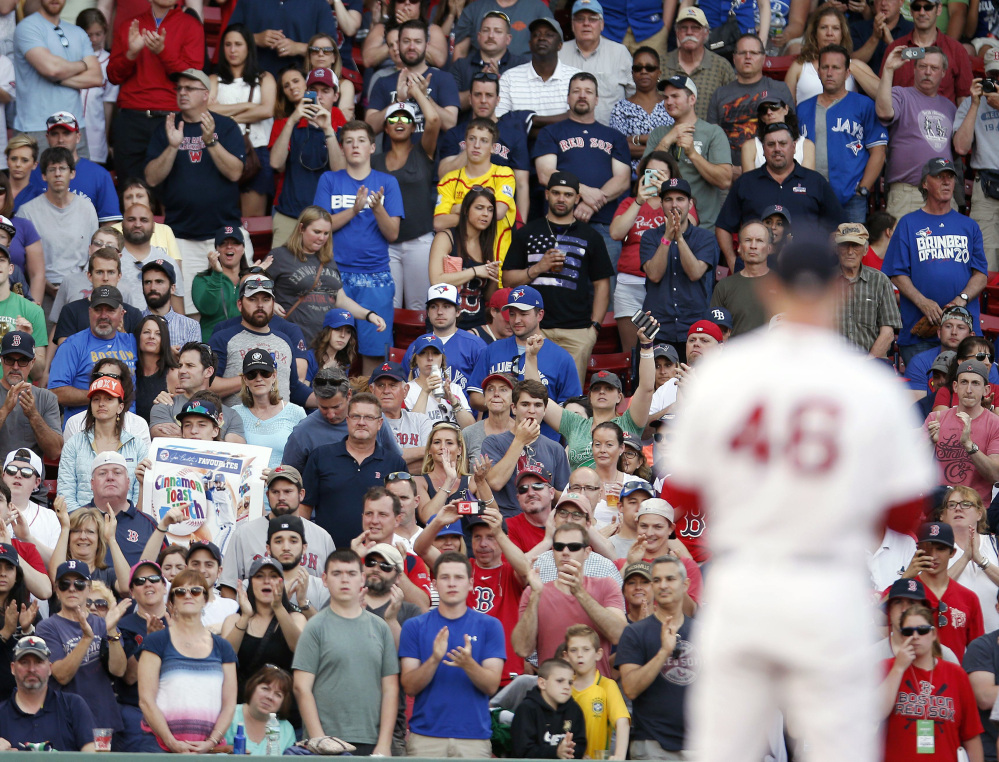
676,301
133,532
335,484
805,194
298,19
509,151
64,720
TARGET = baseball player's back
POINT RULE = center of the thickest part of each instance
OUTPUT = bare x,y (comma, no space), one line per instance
796,446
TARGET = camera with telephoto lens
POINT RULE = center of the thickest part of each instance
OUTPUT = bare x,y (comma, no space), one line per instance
469,507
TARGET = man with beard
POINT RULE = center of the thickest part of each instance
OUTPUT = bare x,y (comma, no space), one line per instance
249,541
137,228
69,376
563,257
463,347
29,415
805,194
159,289
197,368
286,544
387,92
231,343
31,716
492,55
692,59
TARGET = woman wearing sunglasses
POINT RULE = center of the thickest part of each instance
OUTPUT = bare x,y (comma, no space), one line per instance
773,110
322,53
86,537
267,419
187,675
975,563
928,704
265,632
270,690
77,638
638,115
413,166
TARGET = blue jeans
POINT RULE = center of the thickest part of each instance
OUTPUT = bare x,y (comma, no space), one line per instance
855,210
613,251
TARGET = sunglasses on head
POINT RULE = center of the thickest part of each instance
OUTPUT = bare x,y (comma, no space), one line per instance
776,127
572,547
536,486
251,375
107,374
150,578
399,476
77,584
196,591
100,604
13,470
371,563
329,382
919,629
485,76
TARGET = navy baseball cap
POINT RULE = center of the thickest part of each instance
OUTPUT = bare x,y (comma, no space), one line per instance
388,370
73,567
776,209
938,532
906,588
211,547
637,485
938,166
8,553
679,81
161,264
720,316
229,231
675,184
204,408
525,298
338,318
17,343
290,523
427,341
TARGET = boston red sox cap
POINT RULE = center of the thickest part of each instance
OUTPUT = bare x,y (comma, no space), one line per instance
906,588
677,185
17,343
938,532
229,231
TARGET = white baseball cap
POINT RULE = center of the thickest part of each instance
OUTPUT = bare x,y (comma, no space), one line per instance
108,459
443,291
656,506
30,456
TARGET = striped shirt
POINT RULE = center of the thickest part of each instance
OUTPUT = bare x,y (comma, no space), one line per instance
868,303
522,88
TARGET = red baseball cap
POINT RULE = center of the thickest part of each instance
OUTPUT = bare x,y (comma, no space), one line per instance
706,326
322,77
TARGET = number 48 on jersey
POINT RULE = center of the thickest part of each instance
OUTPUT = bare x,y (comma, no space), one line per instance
806,439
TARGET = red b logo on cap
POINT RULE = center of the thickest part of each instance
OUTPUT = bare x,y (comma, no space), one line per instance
912,585
934,530
15,341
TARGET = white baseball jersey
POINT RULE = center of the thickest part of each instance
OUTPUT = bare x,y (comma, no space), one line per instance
797,445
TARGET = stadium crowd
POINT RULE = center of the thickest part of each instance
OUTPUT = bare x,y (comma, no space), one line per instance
456,264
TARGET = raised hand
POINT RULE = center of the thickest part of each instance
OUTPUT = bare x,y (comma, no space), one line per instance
361,200
175,134
115,613
61,512
136,40
668,636
906,653
207,127
440,644
533,345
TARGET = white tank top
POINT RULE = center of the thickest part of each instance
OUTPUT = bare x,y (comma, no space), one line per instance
799,152
239,92
809,84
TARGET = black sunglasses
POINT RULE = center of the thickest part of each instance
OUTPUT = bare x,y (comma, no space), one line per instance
941,610
323,49
106,374
371,563
151,578
77,584
196,592
13,470
920,629
485,76
100,604
982,356
251,375
573,547
536,486
636,68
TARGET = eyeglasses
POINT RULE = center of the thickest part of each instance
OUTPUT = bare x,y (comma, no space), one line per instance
62,36
77,584
919,629
106,374
966,504
485,76
399,476
363,418
251,375
636,68
322,49
371,563
982,356
196,592
536,486
562,513
584,488
629,455
152,579
399,118
184,89
100,604
572,547
24,471
24,362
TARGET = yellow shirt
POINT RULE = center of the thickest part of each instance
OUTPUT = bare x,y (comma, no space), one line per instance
602,705
455,185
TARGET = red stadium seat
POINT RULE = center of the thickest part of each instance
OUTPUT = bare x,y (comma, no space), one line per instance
617,362
990,327
409,326
777,66
396,354
989,297
608,339
261,230
51,488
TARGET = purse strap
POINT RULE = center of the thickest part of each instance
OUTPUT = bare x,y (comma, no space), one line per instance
315,283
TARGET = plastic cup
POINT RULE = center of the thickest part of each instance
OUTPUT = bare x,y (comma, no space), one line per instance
102,739
612,494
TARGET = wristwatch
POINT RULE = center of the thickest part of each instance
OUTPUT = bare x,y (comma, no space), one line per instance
306,604
862,191
596,324
973,450
966,298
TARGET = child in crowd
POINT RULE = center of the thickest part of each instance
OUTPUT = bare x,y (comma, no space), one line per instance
548,724
598,696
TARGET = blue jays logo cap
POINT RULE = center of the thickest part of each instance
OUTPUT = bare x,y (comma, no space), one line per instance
337,318
426,342
525,298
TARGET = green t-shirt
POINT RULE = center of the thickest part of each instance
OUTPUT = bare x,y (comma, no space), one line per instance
285,741
578,433
349,658
15,306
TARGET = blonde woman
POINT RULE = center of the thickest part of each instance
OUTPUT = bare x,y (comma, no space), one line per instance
267,419
306,279
445,467
86,536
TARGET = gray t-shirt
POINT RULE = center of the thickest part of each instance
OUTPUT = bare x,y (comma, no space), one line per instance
65,233
74,286
231,421
711,143
985,151
17,432
249,542
473,437
733,108
294,278
349,658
